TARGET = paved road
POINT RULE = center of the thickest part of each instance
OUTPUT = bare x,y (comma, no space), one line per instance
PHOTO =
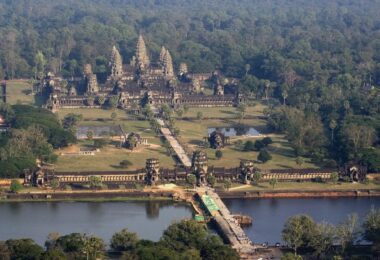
185,160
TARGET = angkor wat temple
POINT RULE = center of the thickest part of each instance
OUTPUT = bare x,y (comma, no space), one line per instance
142,82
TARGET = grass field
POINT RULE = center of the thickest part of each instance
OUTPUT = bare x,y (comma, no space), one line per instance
304,186
224,112
94,114
109,158
193,132
18,92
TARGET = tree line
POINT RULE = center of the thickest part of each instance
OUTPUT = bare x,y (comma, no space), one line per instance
326,241
316,63
183,240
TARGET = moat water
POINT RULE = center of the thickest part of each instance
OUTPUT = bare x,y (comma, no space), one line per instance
37,219
269,215
149,219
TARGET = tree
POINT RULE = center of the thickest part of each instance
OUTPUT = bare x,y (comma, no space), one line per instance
323,239
55,183
334,177
371,227
218,154
95,182
256,177
191,179
242,109
332,126
40,64
211,180
185,109
347,232
113,116
290,256
124,240
249,146
264,156
90,100
54,254
259,145
273,182
227,184
184,234
125,163
297,231
113,101
100,143
299,160
93,246
199,115
361,136
267,141
24,249
71,120
90,135
101,100
15,186
179,112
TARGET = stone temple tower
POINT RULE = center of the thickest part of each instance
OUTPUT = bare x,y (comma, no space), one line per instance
142,58
116,63
199,165
247,169
162,55
152,168
168,65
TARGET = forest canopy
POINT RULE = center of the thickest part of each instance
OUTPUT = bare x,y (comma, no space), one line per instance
320,60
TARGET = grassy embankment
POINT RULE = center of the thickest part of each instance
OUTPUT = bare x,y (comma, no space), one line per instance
109,157
193,131
307,186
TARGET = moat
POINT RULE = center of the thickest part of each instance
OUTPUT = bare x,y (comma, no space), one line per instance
149,219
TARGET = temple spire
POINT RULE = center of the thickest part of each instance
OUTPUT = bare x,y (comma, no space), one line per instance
116,63
142,58
162,55
168,65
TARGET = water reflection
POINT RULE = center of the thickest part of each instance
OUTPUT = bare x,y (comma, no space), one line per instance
269,215
148,219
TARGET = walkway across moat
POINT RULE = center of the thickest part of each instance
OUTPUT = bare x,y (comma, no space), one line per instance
181,154
228,225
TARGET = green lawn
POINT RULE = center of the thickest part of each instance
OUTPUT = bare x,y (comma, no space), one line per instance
93,114
193,132
109,158
224,112
304,186
19,92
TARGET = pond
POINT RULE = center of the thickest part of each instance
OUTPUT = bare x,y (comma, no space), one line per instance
235,131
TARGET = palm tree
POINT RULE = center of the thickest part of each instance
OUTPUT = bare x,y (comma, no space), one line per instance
332,126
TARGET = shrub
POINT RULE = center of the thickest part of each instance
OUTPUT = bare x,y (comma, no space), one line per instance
15,186
259,145
125,163
267,141
218,154
100,143
264,156
249,146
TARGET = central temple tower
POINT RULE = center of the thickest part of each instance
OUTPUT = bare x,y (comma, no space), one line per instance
142,58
